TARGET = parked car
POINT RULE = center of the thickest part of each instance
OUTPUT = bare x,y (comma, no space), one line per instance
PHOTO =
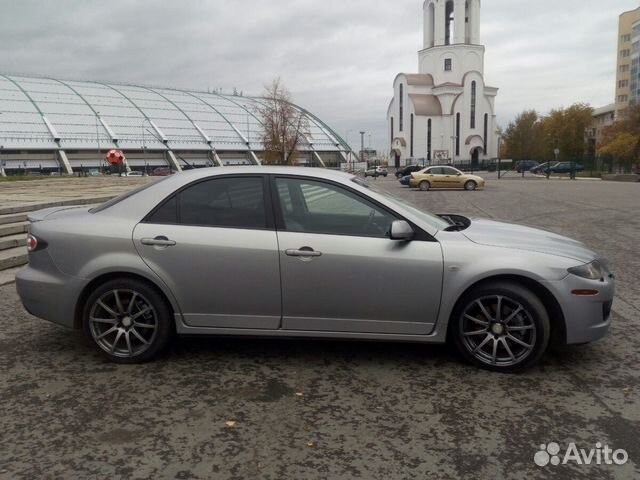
162,172
408,171
379,171
133,173
179,256
525,165
445,177
406,181
565,167
541,168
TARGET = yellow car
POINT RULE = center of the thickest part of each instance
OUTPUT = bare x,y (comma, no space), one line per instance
445,177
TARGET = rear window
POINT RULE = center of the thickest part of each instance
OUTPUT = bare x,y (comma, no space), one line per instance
124,196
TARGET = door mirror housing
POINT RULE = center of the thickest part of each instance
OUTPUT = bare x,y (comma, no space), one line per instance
459,174
402,231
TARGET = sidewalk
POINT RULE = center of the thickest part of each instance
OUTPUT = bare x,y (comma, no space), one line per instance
16,197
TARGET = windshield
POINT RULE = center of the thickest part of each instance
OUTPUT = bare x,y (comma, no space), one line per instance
427,217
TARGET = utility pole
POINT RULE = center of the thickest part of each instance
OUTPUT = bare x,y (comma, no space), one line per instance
362,146
2,172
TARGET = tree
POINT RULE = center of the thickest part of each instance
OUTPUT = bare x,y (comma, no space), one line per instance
285,127
564,129
521,138
624,148
620,142
533,137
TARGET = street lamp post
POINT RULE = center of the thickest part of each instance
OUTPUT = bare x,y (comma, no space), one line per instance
144,145
2,172
362,146
453,149
98,141
556,152
350,160
499,155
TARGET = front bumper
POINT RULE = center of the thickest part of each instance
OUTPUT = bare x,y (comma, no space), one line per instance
586,318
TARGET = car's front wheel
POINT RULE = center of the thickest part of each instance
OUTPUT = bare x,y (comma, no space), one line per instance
501,326
470,186
127,320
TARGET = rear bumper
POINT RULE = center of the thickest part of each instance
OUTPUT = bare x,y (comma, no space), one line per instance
46,292
587,319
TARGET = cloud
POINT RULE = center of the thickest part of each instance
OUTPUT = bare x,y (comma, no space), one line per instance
339,58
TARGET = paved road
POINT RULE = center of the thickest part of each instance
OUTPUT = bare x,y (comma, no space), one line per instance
336,410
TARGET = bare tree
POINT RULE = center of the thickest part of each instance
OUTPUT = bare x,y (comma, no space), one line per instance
285,127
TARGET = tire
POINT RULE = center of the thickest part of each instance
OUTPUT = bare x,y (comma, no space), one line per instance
523,326
470,186
128,321
424,186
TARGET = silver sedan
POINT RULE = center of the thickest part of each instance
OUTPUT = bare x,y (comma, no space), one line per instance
291,252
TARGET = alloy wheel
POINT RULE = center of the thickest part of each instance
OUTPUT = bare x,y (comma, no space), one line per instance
123,323
498,331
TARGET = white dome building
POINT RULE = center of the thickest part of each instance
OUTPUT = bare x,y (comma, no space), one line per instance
445,113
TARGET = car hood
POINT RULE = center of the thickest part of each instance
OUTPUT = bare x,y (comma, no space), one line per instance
519,237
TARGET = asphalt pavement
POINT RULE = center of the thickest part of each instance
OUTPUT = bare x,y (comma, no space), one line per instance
265,409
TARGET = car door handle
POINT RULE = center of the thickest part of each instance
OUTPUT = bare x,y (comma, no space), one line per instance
304,252
158,242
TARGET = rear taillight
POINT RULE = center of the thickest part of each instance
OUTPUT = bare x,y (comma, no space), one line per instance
33,243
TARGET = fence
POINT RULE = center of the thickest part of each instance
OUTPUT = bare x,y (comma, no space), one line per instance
491,165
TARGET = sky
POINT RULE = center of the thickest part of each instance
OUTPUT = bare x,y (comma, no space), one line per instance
338,58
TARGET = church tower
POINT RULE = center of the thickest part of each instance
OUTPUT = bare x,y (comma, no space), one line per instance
445,112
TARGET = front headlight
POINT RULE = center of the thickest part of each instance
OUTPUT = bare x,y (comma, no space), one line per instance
595,270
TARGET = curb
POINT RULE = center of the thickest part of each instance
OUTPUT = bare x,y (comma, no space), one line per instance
62,203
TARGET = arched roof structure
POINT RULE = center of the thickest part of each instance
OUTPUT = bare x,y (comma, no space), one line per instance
40,113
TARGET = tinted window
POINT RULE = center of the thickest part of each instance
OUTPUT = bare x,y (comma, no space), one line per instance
436,171
224,202
318,207
449,171
167,213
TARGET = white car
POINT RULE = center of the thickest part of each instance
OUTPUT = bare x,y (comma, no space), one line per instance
379,171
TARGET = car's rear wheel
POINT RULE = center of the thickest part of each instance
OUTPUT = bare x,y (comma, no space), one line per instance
127,320
501,327
470,185
424,186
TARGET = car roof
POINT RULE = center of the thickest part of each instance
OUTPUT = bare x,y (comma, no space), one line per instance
189,175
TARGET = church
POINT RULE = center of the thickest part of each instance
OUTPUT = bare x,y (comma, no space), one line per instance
445,113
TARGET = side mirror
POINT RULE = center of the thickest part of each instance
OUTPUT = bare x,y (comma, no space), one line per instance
401,230
459,174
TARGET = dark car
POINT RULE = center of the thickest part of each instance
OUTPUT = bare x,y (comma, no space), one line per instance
526,165
406,181
565,167
408,171
541,168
